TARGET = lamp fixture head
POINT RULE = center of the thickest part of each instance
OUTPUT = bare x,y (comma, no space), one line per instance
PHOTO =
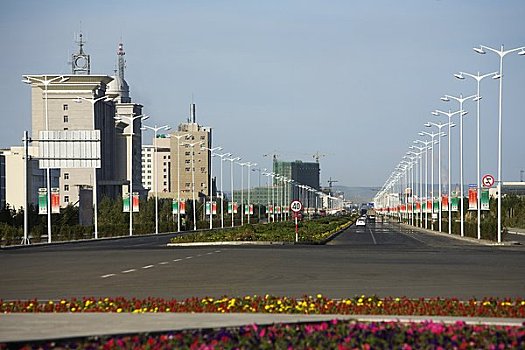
479,50
459,76
445,99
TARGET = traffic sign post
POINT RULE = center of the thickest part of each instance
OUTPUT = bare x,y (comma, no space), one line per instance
296,207
487,181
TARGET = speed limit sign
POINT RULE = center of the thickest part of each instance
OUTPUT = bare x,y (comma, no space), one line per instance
487,180
296,206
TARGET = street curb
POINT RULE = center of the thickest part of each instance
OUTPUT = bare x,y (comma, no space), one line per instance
234,243
484,242
26,327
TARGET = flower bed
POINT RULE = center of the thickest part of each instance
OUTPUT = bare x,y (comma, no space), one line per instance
359,305
322,335
310,231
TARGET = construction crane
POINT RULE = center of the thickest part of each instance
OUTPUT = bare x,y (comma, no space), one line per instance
272,154
317,156
330,182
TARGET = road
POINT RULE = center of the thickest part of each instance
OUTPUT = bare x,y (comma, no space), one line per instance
382,259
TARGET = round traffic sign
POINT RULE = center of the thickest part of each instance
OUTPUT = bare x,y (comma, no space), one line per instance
296,206
487,180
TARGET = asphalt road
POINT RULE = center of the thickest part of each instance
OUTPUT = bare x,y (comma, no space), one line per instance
382,259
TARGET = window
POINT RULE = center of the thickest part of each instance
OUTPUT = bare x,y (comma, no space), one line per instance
203,170
66,119
65,107
188,169
203,137
66,188
187,153
165,176
165,183
188,161
66,128
66,176
188,184
169,157
66,199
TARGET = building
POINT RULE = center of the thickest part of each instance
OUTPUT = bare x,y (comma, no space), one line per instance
163,163
188,152
304,173
78,102
2,181
12,160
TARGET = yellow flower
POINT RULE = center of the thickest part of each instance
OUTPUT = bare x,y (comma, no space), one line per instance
119,310
319,296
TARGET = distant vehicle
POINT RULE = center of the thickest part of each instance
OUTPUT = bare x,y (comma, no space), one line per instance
371,215
360,222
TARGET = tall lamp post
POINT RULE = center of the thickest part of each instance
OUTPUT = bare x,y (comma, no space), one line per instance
460,99
432,136
79,99
178,137
131,121
211,150
156,129
478,78
249,165
232,160
46,81
439,126
449,114
221,156
501,53
192,145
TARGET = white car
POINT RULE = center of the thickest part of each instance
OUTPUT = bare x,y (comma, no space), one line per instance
360,222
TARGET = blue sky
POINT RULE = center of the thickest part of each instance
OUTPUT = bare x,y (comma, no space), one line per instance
354,80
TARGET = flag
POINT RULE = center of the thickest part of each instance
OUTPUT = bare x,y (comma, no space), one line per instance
444,202
229,207
55,201
208,208
183,207
42,201
472,198
214,208
174,207
235,207
485,199
455,201
135,202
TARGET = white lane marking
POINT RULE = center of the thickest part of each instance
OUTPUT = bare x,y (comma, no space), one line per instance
189,257
210,253
163,263
373,238
217,251
175,260
108,275
147,266
128,271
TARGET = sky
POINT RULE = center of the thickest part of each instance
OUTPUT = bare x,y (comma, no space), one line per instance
353,81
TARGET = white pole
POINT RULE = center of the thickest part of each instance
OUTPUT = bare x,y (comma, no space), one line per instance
178,183
193,186
222,199
156,181
26,206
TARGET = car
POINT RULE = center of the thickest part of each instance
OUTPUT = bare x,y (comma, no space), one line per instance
360,222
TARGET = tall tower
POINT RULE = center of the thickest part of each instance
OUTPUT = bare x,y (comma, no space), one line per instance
80,62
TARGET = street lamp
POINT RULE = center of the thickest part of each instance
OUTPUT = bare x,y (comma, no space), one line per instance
178,137
79,99
218,148
249,165
29,79
192,145
478,78
156,129
131,120
449,114
501,53
439,126
231,160
460,99
432,136
221,156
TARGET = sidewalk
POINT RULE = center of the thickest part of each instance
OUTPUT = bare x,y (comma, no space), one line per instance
18,327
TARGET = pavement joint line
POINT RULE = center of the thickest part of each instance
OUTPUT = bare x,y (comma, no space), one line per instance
128,271
373,238
148,266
